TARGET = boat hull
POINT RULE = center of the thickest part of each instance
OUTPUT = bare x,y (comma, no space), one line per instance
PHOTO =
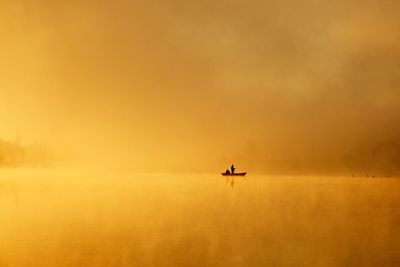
234,174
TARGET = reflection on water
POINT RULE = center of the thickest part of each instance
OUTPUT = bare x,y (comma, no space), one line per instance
122,219
231,180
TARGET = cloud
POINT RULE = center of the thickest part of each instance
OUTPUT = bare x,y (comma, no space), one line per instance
182,83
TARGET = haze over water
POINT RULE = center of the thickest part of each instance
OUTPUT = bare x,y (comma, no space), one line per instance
302,95
170,86
126,219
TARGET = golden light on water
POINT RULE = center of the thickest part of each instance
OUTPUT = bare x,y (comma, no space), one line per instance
117,118
124,219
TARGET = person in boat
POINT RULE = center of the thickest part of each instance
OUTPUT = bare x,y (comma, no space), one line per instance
227,171
232,169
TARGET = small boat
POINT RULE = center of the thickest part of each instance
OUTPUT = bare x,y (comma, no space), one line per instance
234,174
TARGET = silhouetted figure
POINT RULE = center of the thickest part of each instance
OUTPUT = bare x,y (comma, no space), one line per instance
227,171
232,169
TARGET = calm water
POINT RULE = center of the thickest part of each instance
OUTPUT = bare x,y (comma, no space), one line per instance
122,219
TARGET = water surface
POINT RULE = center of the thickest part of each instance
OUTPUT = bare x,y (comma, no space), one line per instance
123,219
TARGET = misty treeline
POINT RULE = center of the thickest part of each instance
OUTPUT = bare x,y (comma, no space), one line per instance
13,154
380,159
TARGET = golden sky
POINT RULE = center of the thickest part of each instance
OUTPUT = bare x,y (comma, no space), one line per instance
172,83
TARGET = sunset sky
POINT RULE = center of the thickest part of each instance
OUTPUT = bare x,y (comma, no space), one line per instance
164,84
